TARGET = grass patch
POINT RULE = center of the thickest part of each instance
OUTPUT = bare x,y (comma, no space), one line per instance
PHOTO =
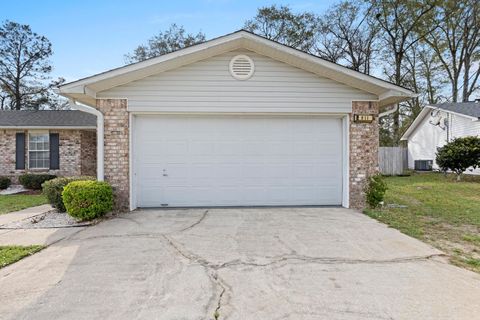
471,238
440,211
473,262
11,254
14,202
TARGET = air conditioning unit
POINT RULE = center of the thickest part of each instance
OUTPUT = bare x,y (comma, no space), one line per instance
423,165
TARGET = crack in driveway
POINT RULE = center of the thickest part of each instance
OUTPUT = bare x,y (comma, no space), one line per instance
221,290
209,266
192,257
323,260
210,271
204,215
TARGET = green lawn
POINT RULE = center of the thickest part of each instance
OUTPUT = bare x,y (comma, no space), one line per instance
440,211
11,254
11,203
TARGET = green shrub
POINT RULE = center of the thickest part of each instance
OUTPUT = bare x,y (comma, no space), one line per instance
4,183
34,181
87,200
53,189
375,190
459,155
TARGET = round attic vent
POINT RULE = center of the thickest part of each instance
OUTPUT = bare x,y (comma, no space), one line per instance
241,67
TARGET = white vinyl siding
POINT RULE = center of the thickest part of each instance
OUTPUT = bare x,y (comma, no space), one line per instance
424,141
208,86
462,126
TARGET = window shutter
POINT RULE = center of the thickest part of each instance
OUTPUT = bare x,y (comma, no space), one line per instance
54,151
20,151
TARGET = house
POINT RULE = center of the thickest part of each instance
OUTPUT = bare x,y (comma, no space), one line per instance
436,125
55,142
235,121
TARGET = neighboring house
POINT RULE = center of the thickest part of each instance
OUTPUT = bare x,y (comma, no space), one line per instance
435,126
236,121
55,142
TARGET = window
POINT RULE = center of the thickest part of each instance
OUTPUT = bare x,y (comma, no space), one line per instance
38,150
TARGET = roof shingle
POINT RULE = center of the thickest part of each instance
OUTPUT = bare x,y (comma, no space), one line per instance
46,118
471,108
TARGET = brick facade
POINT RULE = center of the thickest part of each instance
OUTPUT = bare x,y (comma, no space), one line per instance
116,148
88,153
364,142
70,154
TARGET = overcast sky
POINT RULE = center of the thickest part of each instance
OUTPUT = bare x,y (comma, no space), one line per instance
92,36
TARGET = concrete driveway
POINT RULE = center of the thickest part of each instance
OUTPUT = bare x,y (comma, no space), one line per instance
288,263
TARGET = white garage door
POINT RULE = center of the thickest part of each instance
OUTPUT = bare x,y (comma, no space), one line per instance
236,161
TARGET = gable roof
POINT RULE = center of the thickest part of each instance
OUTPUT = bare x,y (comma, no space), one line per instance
47,119
84,90
470,110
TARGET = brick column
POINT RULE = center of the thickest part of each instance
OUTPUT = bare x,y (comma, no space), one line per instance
364,142
116,148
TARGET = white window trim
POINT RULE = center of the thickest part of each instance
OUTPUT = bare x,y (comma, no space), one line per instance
28,147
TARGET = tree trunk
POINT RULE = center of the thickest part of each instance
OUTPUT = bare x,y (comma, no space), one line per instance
396,114
466,80
455,89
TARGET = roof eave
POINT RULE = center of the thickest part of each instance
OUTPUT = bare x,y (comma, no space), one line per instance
415,123
395,96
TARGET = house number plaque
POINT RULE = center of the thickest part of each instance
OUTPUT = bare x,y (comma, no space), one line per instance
363,118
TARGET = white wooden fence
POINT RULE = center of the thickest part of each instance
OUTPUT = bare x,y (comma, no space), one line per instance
392,160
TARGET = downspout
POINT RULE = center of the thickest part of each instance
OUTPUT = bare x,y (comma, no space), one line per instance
100,135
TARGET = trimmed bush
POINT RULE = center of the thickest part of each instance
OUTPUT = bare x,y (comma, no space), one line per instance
87,200
34,181
459,155
4,183
53,189
375,191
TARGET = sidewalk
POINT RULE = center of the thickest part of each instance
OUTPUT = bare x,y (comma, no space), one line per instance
24,214
26,237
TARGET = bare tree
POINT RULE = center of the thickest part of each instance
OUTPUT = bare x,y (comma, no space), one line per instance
471,43
456,43
403,24
24,68
348,36
282,25
173,39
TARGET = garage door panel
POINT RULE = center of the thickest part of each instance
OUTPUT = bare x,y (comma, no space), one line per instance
221,161
198,148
